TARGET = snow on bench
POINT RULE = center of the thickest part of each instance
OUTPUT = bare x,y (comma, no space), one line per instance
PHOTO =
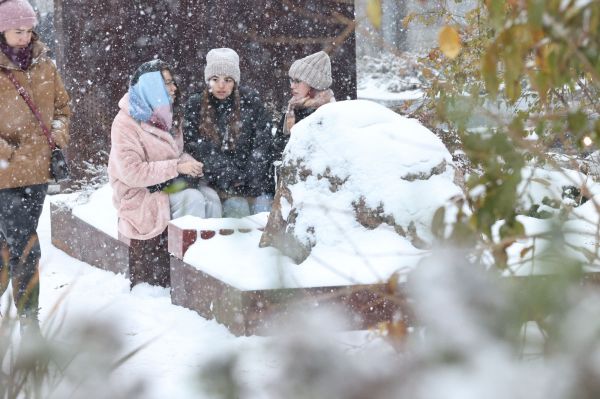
225,275
218,270
85,227
184,231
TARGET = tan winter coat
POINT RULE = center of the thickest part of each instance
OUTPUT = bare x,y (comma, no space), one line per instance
24,150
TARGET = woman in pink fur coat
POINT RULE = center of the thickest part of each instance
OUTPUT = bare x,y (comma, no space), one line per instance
146,156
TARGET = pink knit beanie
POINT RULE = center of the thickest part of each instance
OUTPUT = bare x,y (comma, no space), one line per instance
16,14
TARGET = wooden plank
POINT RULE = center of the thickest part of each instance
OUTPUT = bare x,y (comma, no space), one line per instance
180,240
86,243
268,35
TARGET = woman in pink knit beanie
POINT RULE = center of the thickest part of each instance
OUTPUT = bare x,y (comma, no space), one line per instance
16,14
25,152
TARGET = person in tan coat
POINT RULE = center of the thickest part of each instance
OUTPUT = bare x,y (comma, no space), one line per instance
24,151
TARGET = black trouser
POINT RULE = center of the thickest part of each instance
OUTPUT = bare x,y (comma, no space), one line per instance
149,261
20,210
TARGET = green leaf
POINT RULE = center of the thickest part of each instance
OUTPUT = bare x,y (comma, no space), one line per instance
535,12
490,72
438,224
374,12
577,121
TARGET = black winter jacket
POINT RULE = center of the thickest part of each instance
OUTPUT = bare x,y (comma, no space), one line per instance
280,140
245,170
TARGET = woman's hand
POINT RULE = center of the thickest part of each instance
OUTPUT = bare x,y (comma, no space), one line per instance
297,102
59,133
6,150
192,168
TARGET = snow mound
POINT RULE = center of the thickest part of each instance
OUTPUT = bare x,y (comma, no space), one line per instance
354,165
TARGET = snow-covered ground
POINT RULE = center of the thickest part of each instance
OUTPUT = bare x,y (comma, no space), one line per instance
179,346
186,356
390,80
76,296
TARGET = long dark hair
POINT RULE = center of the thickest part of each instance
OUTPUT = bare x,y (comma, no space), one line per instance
208,128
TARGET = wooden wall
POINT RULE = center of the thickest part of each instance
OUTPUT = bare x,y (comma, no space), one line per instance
100,44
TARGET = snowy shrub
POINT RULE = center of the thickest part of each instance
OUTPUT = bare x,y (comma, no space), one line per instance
354,165
61,364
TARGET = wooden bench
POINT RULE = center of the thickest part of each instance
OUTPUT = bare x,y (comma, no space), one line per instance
247,312
86,242
243,312
91,245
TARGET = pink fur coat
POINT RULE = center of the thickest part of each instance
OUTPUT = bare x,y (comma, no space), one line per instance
141,155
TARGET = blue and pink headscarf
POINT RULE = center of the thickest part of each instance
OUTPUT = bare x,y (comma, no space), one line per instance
149,100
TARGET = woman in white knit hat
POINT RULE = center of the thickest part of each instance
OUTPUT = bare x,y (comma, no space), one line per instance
24,150
227,128
310,79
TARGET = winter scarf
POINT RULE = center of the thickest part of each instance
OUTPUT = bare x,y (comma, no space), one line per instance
21,57
321,98
150,102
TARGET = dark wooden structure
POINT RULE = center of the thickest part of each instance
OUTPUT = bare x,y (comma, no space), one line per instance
243,312
82,241
263,312
139,260
101,43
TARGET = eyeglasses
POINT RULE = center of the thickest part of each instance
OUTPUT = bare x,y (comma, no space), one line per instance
295,81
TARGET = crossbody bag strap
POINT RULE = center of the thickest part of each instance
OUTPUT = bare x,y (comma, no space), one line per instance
31,105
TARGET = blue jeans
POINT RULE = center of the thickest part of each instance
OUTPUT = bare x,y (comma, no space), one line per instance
202,202
239,207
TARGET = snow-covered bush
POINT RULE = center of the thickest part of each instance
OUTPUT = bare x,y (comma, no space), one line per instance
355,165
60,363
